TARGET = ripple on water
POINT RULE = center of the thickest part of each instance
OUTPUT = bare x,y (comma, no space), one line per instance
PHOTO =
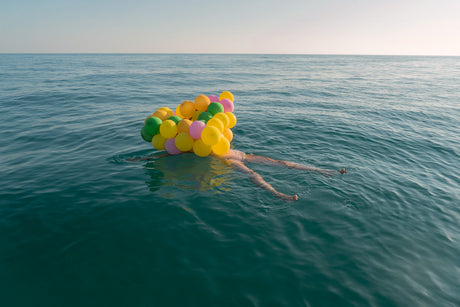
75,208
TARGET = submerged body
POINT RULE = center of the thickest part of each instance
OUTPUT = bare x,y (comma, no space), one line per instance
237,160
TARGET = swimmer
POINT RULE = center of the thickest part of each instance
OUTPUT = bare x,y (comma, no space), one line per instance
237,159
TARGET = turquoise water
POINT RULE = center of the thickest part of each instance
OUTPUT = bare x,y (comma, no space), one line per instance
80,225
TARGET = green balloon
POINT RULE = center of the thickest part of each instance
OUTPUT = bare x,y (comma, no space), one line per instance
145,135
175,119
215,107
152,125
204,116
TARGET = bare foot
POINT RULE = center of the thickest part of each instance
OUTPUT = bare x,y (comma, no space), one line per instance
291,198
285,197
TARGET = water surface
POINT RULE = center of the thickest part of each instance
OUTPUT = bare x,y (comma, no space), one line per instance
81,226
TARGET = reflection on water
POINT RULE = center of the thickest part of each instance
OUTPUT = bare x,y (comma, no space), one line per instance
188,172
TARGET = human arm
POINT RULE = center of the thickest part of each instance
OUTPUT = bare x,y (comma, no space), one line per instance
147,158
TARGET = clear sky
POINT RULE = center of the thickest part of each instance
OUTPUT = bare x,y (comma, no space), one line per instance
418,27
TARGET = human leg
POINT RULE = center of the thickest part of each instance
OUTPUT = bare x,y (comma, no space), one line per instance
258,180
269,161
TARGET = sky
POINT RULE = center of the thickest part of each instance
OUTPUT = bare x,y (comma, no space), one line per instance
398,27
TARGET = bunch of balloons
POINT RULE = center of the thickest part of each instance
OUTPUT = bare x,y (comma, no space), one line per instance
202,126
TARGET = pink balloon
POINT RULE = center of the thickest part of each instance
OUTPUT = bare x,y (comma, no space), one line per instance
170,146
228,105
213,98
195,129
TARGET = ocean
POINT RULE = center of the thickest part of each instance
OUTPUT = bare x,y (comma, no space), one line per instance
83,225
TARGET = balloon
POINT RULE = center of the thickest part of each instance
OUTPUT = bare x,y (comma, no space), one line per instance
158,142
228,134
227,104
147,118
184,125
152,125
161,114
201,149
184,142
221,147
168,110
213,98
187,109
232,119
223,118
201,125
211,135
205,116
215,107
201,102
175,119
178,112
195,115
214,122
147,137
226,95
196,128
171,148
168,129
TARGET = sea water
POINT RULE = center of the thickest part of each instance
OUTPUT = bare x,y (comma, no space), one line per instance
82,225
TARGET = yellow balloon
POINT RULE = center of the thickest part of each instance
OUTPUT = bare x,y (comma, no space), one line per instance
168,129
195,115
184,125
214,122
161,114
222,146
211,135
168,110
158,142
231,118
201,149
226,95
228,134
178,112
187,109
223,118
202,102
184,142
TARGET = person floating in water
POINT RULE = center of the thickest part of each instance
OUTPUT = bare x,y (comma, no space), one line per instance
237,159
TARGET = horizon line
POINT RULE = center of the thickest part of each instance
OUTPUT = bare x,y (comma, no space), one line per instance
225,53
